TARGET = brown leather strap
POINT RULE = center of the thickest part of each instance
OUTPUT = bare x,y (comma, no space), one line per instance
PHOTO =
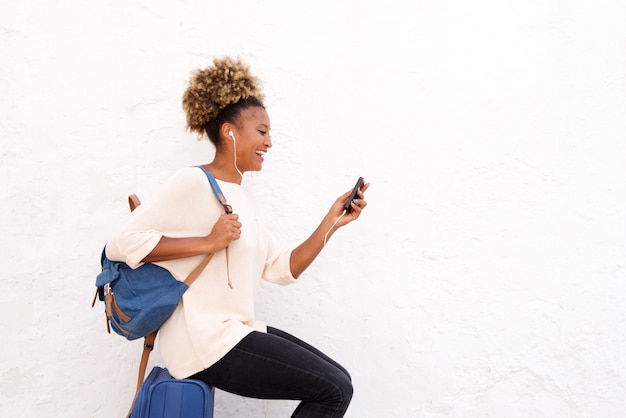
118,311
95,297
133,202
196,272
148,345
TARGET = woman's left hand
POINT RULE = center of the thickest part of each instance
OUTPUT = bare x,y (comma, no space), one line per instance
357,206
303,255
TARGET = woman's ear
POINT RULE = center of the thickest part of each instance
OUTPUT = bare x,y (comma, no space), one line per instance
227,132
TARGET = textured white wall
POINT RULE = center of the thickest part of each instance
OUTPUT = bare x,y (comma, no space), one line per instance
486,278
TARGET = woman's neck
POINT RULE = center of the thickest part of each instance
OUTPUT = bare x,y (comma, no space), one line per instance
224,170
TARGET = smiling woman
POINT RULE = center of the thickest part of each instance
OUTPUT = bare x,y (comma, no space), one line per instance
213,334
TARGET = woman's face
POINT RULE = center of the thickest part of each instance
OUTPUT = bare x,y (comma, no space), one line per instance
252,138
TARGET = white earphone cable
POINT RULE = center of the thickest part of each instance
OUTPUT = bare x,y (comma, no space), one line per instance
235,149
330,229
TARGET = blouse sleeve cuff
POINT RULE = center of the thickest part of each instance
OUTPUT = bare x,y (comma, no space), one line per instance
133,254
278,270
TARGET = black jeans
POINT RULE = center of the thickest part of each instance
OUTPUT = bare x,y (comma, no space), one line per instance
277,365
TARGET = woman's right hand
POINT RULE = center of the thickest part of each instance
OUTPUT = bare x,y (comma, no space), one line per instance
226,229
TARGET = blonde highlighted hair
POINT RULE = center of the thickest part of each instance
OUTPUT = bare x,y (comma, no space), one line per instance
215,88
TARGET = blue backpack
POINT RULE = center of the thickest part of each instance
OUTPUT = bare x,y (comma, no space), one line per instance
138,301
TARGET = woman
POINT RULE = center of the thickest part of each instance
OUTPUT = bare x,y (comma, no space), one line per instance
213,334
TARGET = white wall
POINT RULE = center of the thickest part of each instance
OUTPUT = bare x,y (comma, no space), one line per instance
486,278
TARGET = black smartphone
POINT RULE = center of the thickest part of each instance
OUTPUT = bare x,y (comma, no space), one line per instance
353,195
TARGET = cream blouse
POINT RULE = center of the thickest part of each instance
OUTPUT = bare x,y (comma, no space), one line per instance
211,318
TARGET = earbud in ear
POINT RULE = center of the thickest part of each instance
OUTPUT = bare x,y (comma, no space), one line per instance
232,135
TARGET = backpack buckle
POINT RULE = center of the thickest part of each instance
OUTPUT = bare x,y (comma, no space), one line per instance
108,301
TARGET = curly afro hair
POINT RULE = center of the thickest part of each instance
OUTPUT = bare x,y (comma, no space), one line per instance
215,88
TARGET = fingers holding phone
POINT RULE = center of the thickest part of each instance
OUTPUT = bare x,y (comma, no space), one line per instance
356,199
347,207
353,202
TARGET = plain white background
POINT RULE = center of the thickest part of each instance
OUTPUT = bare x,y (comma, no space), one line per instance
485,279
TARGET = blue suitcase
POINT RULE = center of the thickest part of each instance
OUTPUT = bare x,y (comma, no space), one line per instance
162,396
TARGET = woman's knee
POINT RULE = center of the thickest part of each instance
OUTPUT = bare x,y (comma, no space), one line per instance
347,390
340,389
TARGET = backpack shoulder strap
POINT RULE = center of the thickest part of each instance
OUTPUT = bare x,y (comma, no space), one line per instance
217,190
227,208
